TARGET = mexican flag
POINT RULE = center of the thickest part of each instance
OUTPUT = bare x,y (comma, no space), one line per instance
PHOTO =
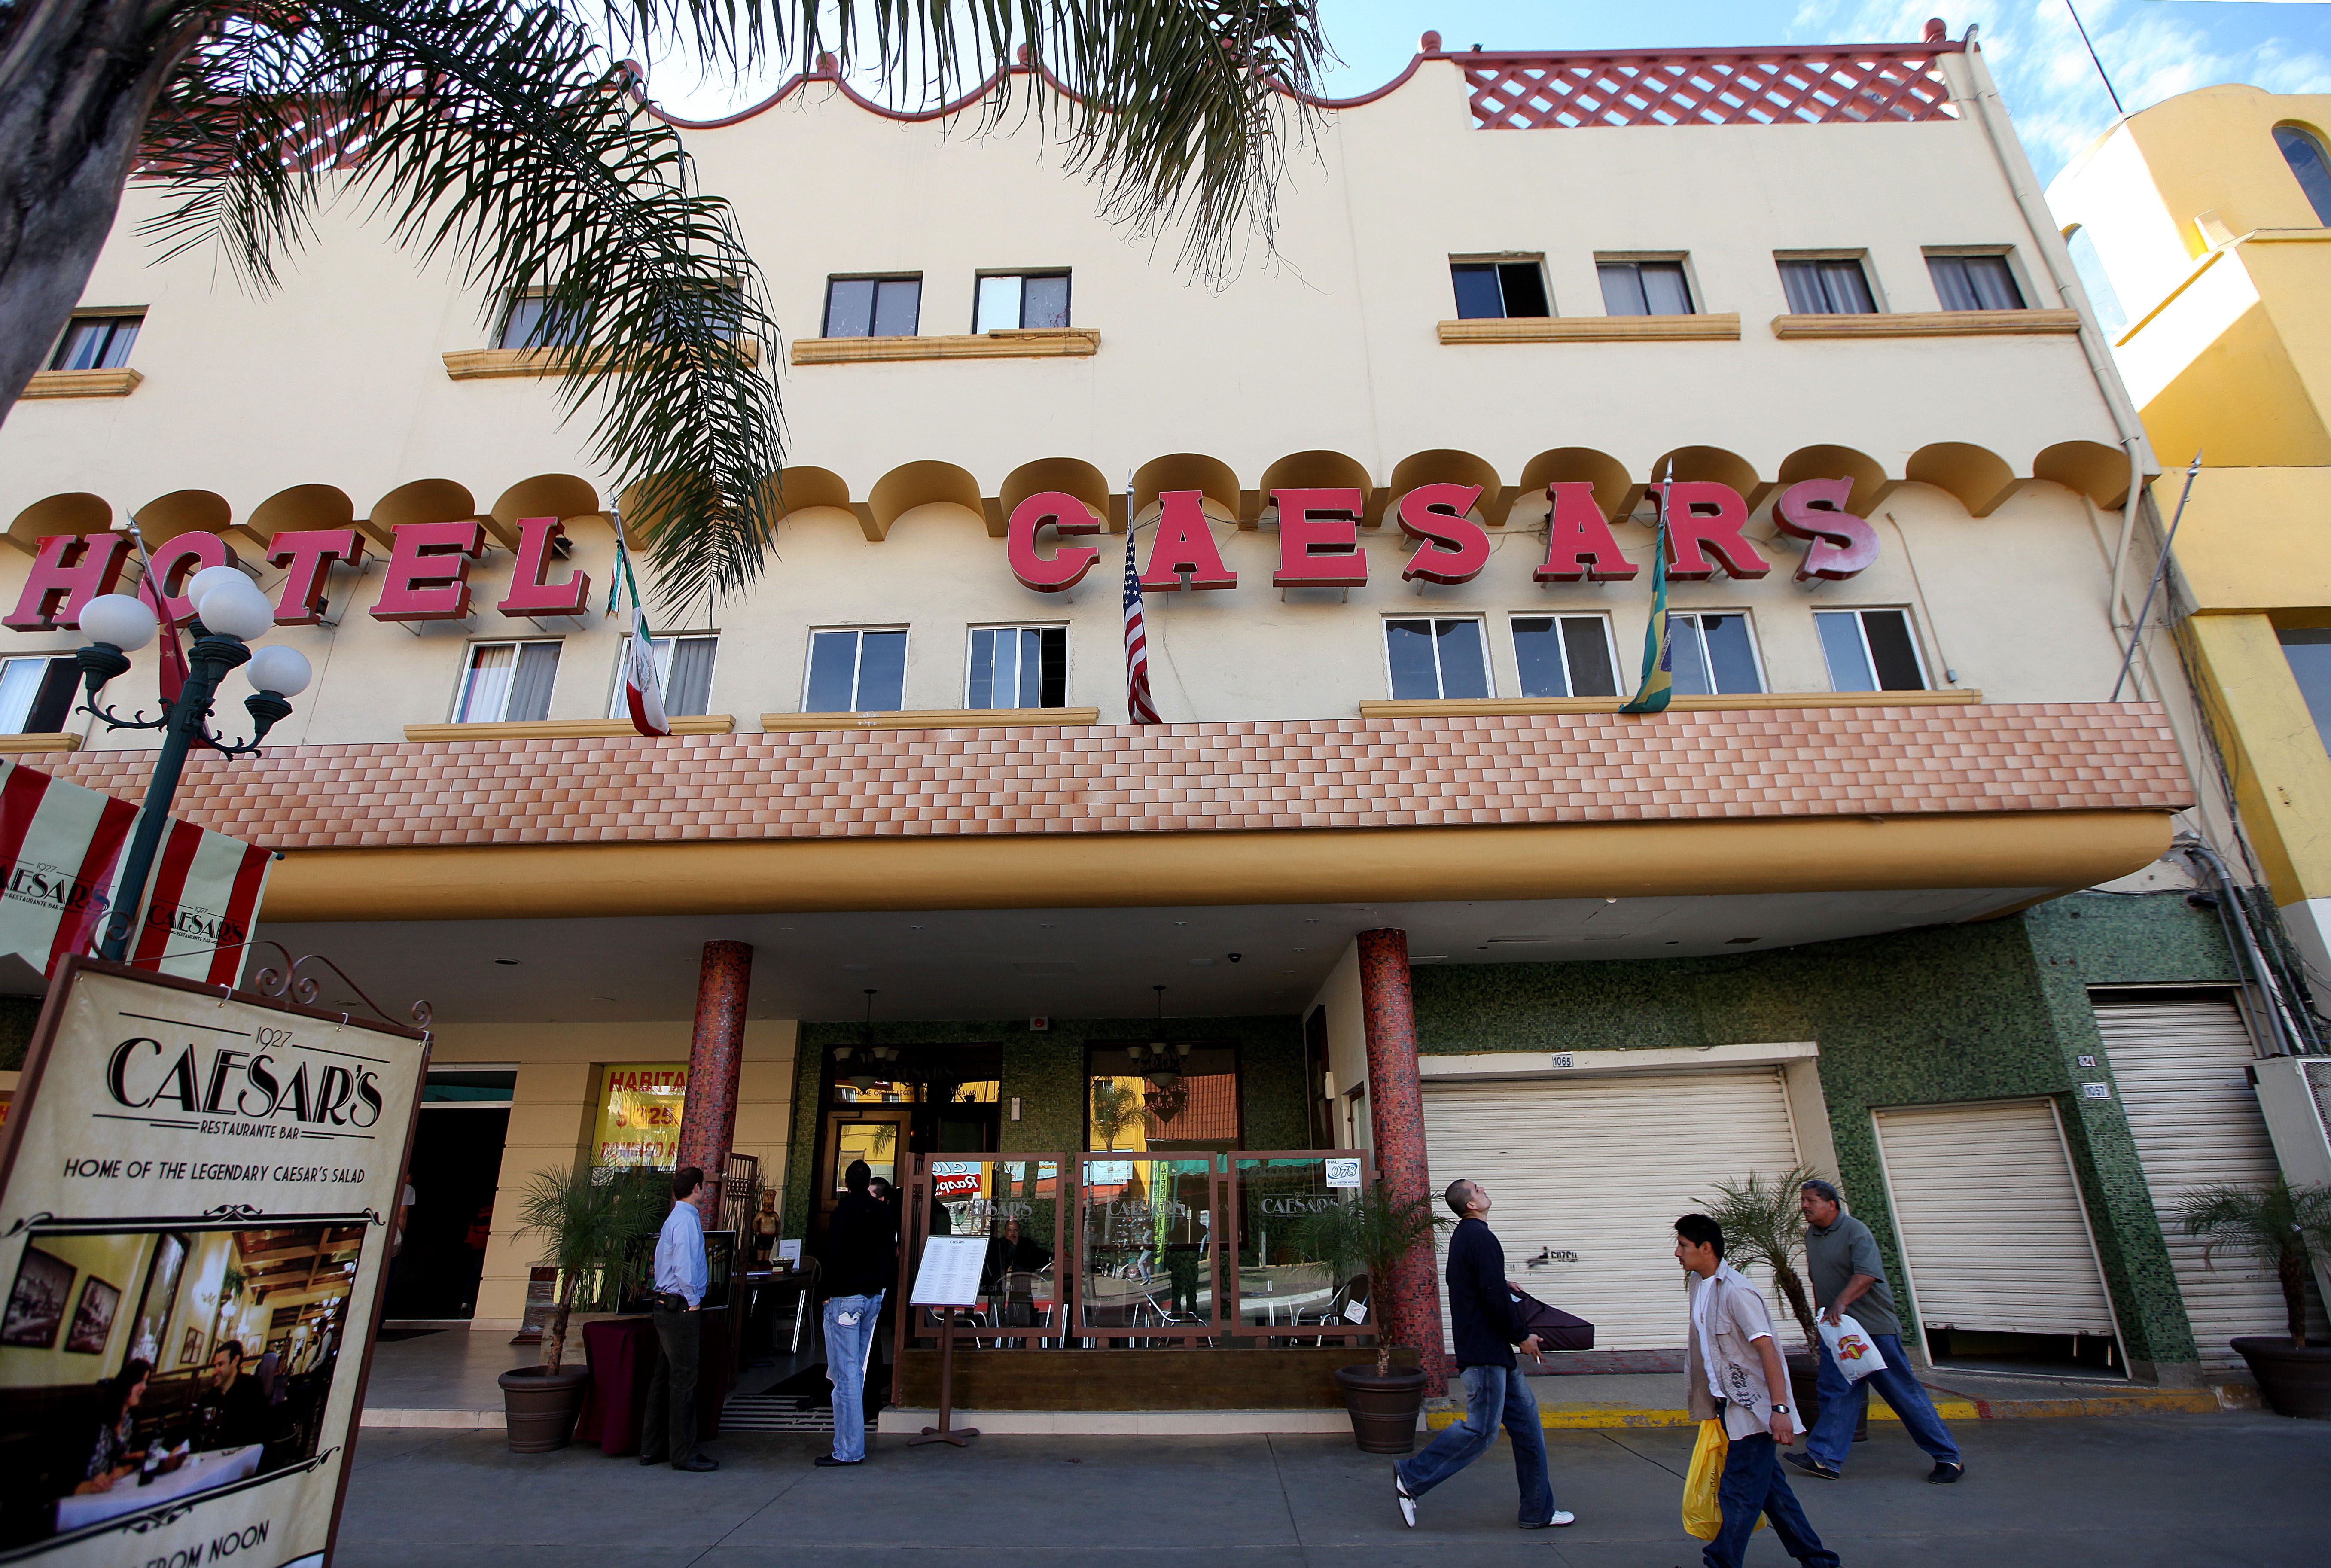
642,688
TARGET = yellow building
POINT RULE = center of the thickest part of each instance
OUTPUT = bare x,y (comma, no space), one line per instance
2210,216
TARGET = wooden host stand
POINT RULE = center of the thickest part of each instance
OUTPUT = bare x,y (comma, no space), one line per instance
947,1280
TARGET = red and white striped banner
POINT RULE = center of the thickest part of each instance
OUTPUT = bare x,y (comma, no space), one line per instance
60,851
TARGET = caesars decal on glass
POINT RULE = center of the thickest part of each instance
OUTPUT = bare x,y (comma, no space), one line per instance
640,1103
194,1228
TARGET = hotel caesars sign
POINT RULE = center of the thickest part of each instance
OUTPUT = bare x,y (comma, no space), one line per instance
1318,548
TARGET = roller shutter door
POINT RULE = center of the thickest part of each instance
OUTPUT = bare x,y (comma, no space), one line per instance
1601,1166
1989,1219
2179,1069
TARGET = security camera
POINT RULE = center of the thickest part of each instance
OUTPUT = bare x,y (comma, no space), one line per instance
1236,956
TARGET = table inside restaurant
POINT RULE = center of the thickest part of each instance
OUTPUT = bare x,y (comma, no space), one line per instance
200,1473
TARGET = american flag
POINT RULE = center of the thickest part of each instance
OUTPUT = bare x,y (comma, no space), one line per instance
1139,708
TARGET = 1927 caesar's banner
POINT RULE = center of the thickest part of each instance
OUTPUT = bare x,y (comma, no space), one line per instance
200,1191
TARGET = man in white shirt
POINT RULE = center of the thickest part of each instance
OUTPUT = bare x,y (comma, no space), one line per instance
681,1274
1734,1372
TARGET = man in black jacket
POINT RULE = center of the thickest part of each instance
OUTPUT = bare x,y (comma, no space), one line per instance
861,1261
1496,1391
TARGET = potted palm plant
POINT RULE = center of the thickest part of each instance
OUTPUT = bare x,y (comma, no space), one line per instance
1372,1232
1764,1223
2284,1228
583,1223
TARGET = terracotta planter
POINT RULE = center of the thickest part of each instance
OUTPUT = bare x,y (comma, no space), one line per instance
1383,1408
541,1408
2295,1381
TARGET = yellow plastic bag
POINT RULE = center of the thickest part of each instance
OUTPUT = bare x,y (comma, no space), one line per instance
1703,1516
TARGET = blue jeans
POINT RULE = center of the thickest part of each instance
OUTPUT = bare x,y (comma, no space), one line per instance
1842,1403
1752,1484
1493,1395
846,1368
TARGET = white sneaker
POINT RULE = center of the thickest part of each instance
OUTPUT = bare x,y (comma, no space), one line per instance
1559,1519
1401,1494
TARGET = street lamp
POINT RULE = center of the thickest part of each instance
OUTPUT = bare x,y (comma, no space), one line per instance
229,613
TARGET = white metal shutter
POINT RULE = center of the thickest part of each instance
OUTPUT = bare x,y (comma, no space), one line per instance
1990,1218
2180,1070
1601,1166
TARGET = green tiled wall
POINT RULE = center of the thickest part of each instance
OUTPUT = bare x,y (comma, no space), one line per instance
1994,1011
1046,1073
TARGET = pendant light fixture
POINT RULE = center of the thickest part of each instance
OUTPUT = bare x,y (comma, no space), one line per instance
862,1080
1163,1070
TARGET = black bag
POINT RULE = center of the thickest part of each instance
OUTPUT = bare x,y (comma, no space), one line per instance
1555,1330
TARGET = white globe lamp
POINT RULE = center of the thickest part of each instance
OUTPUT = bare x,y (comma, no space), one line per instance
237,609
119,621
199,585
284,671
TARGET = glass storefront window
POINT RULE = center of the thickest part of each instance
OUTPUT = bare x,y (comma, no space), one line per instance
1148,1244
1288,1273
877,1092
876,1143
1016,1206
1146,1098
640,1106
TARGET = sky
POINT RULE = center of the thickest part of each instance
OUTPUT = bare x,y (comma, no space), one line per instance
2152,49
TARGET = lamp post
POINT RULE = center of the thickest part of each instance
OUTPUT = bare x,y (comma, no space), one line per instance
230,612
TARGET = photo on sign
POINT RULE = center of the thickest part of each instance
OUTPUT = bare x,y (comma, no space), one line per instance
100,1425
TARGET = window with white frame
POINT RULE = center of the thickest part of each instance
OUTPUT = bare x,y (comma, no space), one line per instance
36,693
1827,286
1014,299
684,668
874,307
856,672
1871,650
1975,283
532,324
1017,667
1713,653
507,682
1655,288
1565,656
1489,291
1437,658
96,342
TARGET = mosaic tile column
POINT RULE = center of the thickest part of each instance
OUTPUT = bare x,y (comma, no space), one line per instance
1411,1300
709,1123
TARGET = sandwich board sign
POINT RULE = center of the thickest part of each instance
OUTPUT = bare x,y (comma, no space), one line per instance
197,1190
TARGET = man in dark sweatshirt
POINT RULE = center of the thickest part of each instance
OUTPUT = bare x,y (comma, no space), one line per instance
1487,1330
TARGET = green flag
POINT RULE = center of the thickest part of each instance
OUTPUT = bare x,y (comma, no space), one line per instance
1659,653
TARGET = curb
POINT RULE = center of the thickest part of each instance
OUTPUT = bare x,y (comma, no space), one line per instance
372,1418
2172,1402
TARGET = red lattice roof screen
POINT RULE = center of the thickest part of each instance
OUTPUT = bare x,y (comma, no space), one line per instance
1832,86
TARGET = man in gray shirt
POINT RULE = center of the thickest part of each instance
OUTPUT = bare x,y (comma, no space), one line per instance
1850,1280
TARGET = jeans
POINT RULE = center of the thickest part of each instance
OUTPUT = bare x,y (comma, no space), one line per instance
669,1429
1842,1403
1753,1484
846,1368
1494,1395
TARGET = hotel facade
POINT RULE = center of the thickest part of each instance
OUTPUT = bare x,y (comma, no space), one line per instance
1891,891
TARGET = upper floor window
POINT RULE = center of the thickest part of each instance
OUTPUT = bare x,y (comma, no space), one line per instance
1487,291
1018,666
2307,651
507,681
36,693
1871,650
1564,656
531,325
2094,281
2304,153
854,671
1712,655
1437,658
96,342
684,665
1828,286
1974,284
874,307
1009,300
1644,288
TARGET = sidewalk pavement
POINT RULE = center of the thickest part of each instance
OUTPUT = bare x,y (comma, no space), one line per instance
2239,1489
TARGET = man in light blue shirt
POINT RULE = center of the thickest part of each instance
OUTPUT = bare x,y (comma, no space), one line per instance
681,1273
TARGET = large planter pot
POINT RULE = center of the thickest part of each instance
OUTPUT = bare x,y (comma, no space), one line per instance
1805,1393
540,1407
1382,1407
2295,1381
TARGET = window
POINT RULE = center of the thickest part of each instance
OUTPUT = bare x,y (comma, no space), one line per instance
1712,655
1018,666
37,693
1871,650
2309,653
874,307
2304,153
2090,267
1009,300
1139,1102
1974,284
1565,656
1828,286
684,665
856,672
1487,291
531,325
507,681
96,342
1437,659
1644,288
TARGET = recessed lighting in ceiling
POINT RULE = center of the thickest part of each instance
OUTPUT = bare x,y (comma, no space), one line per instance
918,928
1495,941
509,962
1181,922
